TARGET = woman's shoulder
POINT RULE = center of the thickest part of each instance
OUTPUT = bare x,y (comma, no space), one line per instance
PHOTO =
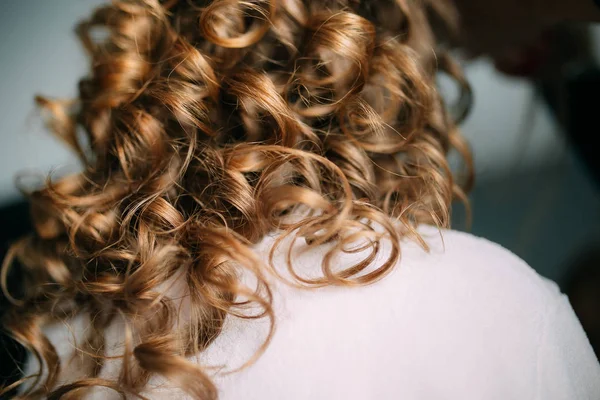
457,258
460,284
467,319
455,266
460,277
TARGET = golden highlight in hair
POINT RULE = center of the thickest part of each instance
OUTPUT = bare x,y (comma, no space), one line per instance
204,126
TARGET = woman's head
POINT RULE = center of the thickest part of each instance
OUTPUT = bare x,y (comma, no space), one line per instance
202,127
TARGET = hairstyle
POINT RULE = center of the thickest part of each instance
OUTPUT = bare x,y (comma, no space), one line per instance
206,125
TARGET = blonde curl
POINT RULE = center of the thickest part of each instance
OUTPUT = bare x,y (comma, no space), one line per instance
208,125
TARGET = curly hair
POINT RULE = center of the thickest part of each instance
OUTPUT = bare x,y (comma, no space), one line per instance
206,125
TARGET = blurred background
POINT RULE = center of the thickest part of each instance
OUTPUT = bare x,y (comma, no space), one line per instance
534,193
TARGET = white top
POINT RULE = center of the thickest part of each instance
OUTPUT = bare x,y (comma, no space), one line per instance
469,320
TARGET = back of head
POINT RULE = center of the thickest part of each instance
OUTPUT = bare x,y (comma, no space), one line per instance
208,125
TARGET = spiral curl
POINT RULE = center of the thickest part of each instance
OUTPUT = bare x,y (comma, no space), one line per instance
208,125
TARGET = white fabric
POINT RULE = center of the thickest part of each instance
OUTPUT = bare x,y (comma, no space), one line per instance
468,320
